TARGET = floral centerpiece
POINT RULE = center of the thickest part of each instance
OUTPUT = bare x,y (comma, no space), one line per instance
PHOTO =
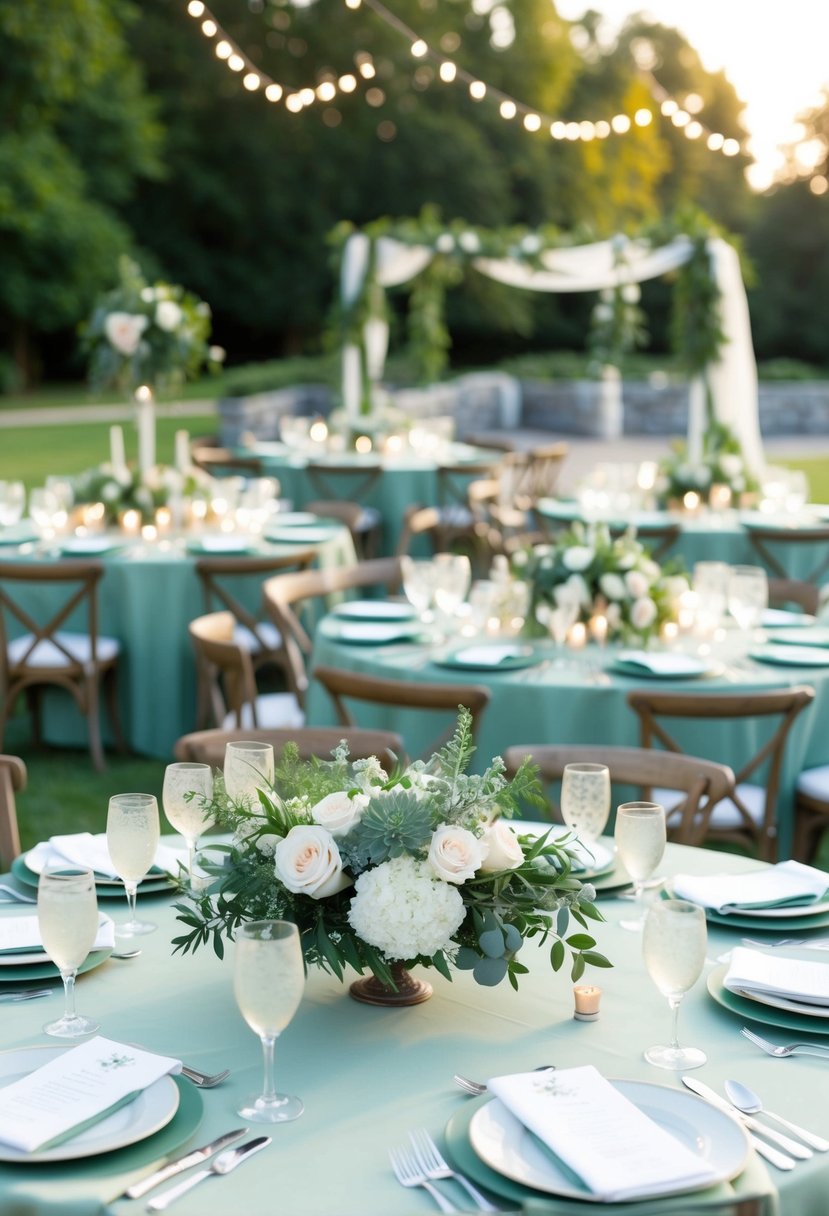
379,870
142,333
596,574
128,488
721,464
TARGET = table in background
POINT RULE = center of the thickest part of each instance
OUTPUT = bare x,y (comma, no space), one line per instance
402,481
369,1075
147,597
570,698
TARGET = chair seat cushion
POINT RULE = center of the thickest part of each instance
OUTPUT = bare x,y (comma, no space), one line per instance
814,782
47,654
273,710
246,638
725,814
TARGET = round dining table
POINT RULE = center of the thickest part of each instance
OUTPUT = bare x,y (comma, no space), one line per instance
368,1076
561,696
146,598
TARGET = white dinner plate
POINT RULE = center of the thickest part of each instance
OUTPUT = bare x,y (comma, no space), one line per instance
812,635
506,1146
490,656
220,545
781,618
294,519
157,878
88,546
375,610
370,633
305,535
663,666
791,656
782,1002
148,1113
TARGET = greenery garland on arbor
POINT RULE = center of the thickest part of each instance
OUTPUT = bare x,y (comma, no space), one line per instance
617,322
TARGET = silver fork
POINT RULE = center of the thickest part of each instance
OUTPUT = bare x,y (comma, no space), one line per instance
789,1049
476,1088
204,1080
434,1166
407,1174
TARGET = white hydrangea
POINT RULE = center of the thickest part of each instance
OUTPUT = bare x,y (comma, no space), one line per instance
402,909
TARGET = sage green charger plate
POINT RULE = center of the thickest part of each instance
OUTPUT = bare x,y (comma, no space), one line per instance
107,888
48,971
768,924
501,658
756,1011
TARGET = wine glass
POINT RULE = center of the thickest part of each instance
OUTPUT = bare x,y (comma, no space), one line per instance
248,766
711,588
45,510
268,979
418,585
187,787
12,502
640,841
748,596
132,839
451,578
585,800
674,943
67,915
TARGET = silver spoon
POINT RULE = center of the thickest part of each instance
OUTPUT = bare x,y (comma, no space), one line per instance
125,954
748,1101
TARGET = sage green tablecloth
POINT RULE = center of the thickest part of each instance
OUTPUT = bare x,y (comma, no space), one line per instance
575,698
370,1075
146,598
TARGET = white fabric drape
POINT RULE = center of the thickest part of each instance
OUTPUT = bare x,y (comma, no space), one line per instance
732,380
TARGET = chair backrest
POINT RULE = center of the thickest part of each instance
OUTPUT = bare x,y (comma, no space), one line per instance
344,481
208,746
785,591
783,704
704,782
344,686
12,779
208,454
217,576
364,523
767,540
420,521
287,596
544,469
79,582
226,678
453,481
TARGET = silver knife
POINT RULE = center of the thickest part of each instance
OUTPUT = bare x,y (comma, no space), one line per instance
222,1164
194,1157
793,1147
765,1150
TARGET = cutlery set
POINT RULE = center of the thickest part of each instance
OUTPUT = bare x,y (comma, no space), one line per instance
224,1160
422,1165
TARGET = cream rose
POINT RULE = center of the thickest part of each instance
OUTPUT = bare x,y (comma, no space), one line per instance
503,850
307,861
636,583
613,586
577,557
643,613
455,853
168,315
124,330
339,812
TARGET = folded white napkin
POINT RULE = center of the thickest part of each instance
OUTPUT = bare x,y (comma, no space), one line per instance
88,851
224,544
489,656
661,663
22,933
76,1089
773,974
789,883
616,1150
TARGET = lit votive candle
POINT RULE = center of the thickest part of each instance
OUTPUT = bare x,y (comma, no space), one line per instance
719,497
691,501
362,444
587,998
130,521
598,628
318,431
577,635
92,516
163,520
670,630
149,532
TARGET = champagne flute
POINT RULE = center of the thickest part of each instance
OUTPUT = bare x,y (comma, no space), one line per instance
419,585
268,979
748,597
248,766
640,841
585,800
132,839
452,576
187,787
674,943
67,916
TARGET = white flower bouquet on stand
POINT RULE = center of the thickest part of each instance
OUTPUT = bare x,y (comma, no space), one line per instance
381,872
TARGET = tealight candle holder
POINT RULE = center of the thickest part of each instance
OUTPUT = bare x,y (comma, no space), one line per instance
130,522
719,497
587,999
577,636
691,502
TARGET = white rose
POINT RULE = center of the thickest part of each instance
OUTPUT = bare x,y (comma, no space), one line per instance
577,557
676,585
338,812
168,315
612,586
636,583
613,612
124,330
650,569
643,613
503,850
731,464
530,243
631,293
455,854
217,354
469,242
307,861
445,243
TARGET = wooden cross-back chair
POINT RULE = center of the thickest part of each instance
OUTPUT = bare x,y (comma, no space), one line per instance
208,746
702,782
294,602
749,815
786,591
364,523
766,540
47,653
12,780
209,455
343,686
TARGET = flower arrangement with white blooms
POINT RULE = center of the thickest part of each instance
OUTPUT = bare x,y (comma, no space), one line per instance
415,867
141,333
125,488
599,574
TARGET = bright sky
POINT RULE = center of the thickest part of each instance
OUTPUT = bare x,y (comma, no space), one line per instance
774,52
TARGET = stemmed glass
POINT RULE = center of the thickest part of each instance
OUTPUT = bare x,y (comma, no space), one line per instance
451,578
748,596
640,841
187,787
674,943
133,833
12,502
67,915
268,980
711,588
248,766
418,585
585,800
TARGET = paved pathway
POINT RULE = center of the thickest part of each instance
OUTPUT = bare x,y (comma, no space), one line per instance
70,415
